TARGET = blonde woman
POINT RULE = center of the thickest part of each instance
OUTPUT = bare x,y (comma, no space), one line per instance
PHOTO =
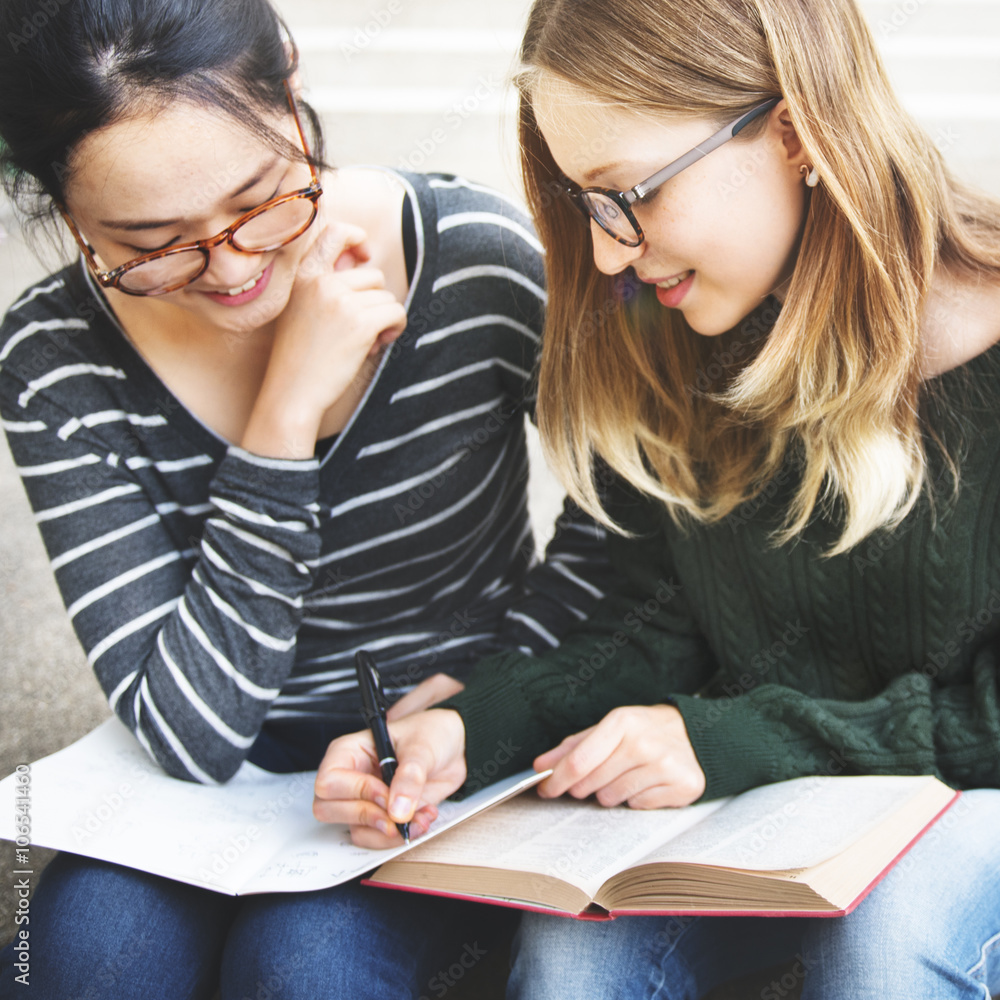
777,326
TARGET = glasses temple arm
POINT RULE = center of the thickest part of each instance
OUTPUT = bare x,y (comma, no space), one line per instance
754,113
711,143
81,242
302,134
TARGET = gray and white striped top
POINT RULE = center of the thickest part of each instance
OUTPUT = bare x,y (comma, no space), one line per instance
213,589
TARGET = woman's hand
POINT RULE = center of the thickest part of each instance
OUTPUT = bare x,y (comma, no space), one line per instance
339,313
638,754
430,748
424,695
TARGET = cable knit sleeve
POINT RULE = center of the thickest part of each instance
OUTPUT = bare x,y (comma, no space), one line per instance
913,726
640,644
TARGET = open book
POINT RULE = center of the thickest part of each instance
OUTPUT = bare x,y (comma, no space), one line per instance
813,846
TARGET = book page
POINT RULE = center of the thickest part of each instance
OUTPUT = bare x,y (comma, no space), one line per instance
103,797
582,843
324,855
792,824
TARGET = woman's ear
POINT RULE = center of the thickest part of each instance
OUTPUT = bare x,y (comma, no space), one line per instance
780,121
295,80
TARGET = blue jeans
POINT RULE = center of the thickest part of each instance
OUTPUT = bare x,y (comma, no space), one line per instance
929,931
99,931
103,932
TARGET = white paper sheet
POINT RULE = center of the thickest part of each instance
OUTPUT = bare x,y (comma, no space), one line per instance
104,798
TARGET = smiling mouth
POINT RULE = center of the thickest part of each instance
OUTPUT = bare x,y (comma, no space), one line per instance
676,280
232,292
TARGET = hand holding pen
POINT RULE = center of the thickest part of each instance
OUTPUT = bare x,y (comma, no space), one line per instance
373,710
430,747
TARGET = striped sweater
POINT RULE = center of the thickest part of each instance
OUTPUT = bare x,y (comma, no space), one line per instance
213,589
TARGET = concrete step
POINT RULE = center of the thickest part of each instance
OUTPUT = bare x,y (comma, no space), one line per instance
422,61
425,57
891,19
450,73
375,16
408,60
888,18
482,147
947,75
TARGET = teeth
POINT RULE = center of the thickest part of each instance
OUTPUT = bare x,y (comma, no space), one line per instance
246,287
674,282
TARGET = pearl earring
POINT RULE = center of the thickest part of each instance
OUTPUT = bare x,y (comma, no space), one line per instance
812,178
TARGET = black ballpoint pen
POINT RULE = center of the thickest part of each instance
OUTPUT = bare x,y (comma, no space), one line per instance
373,712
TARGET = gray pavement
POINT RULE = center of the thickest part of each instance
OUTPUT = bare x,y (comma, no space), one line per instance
422,84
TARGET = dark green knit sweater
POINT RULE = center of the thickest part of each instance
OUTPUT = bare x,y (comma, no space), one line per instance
783,663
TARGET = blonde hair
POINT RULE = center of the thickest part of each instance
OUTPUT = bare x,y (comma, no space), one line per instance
835,385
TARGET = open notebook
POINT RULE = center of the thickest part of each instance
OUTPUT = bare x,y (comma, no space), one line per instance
104,798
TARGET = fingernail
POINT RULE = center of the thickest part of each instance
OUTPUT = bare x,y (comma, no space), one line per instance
401,809
383,827
380,801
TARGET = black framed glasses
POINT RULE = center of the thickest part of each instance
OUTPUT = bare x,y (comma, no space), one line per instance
612,210
263,229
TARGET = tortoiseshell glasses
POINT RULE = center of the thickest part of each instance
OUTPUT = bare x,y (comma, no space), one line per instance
267,227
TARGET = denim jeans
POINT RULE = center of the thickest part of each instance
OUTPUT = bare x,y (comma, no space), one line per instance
929,931
99,931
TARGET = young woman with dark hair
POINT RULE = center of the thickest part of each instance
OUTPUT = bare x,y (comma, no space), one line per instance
797,385
274,414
